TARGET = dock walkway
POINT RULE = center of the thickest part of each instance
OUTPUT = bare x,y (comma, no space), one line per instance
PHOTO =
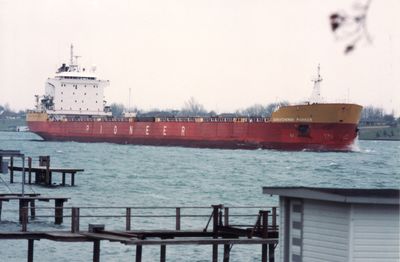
43,175
221,232
29,199
43,172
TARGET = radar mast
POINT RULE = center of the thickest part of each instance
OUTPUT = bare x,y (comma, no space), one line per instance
316,93
72,55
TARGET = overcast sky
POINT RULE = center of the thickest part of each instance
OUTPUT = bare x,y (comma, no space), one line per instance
228,54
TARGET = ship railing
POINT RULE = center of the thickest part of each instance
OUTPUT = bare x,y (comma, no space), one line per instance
146,217
35,111
170,119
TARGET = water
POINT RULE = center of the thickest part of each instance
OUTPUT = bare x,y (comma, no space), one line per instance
127,175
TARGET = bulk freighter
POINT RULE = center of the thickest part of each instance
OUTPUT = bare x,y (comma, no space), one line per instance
73,109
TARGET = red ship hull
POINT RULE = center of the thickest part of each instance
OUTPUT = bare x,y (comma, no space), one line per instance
230,135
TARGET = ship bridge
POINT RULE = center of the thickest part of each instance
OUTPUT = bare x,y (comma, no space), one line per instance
74,90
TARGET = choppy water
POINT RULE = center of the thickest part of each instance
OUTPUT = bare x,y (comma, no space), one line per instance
127,175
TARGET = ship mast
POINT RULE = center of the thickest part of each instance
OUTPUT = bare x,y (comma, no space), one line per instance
316,93
72,55
73,66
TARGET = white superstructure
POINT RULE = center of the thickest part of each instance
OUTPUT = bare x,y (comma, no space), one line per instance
74,90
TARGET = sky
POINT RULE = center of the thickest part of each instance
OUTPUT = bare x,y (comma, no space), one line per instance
227,54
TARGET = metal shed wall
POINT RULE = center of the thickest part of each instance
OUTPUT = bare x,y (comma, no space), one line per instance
281,228
375,233
325,231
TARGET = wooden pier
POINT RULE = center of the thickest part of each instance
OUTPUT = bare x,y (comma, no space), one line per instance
222,233
43,172
27,203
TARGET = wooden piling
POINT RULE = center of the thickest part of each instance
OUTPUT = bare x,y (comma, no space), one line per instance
58,211
45,161
75,220
23,205
138,253
11,170
271,247
24,219
128,219
264,232
227,251
30,250
274,218
96,251
215,231
226,216
63,179
32,208
162,253
227,248
30,170
178,218
271,252
72,179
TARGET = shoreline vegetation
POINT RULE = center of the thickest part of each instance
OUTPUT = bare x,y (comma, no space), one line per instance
384,133
375,124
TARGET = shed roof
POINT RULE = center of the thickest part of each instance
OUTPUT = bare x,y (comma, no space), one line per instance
345,195
10,153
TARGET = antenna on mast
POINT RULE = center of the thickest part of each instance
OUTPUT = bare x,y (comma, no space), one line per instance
316,93
76,59
129,102
71,62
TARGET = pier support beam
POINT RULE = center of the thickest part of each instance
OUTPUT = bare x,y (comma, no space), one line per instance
178,218
162,253
63,179
128,219
11,170
138,253
271,253
23,207
72,179
264,228
75,219
227,248
216,220
33,209
30,250
96,251
58,212
227,251
30,170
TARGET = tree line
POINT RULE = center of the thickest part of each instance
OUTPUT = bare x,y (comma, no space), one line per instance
193,108
7,112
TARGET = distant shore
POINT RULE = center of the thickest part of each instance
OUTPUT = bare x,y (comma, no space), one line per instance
11,124
383,133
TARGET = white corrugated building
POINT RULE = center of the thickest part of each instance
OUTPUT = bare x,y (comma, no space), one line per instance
327,224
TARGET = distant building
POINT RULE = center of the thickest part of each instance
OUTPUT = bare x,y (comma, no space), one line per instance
327,224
